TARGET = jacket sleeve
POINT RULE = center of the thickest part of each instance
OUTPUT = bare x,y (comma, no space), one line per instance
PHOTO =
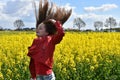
32,49
56,38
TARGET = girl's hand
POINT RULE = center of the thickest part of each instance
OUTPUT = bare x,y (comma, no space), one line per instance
53,21
28,47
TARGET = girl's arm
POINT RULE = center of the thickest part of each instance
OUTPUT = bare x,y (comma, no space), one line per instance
31,49
56,38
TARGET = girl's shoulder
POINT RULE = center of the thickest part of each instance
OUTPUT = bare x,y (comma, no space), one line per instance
35,39
43,39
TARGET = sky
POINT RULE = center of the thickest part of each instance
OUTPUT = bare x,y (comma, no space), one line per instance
88,10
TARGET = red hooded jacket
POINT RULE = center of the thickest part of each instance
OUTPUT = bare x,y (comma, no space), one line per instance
41,52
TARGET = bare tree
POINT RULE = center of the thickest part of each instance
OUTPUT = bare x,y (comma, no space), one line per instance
79,23
18,24
110,22
119,24
98,25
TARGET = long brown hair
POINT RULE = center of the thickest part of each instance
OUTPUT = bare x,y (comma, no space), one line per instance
49,10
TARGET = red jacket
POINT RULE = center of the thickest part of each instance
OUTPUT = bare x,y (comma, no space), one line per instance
41,52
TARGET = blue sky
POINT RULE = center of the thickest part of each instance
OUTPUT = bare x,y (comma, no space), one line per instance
88,10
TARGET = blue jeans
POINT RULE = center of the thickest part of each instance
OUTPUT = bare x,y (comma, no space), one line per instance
46,77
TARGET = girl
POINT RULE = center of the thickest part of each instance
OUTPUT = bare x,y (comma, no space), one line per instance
49,32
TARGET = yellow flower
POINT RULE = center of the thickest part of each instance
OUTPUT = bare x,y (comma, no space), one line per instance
92,68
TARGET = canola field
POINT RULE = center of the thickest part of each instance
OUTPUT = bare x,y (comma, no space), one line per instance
80,56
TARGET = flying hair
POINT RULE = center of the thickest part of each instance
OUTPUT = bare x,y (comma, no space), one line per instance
49,10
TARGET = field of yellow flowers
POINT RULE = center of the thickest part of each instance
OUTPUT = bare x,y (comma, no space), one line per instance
80,56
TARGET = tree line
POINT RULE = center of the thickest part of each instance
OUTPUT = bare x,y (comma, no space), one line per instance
110,23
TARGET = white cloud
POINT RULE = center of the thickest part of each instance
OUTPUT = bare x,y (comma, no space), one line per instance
5,20
18,8
68,6
93,16
15,9
104,7
2,4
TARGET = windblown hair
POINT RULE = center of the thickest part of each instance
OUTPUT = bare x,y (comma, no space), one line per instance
50,27
49,10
